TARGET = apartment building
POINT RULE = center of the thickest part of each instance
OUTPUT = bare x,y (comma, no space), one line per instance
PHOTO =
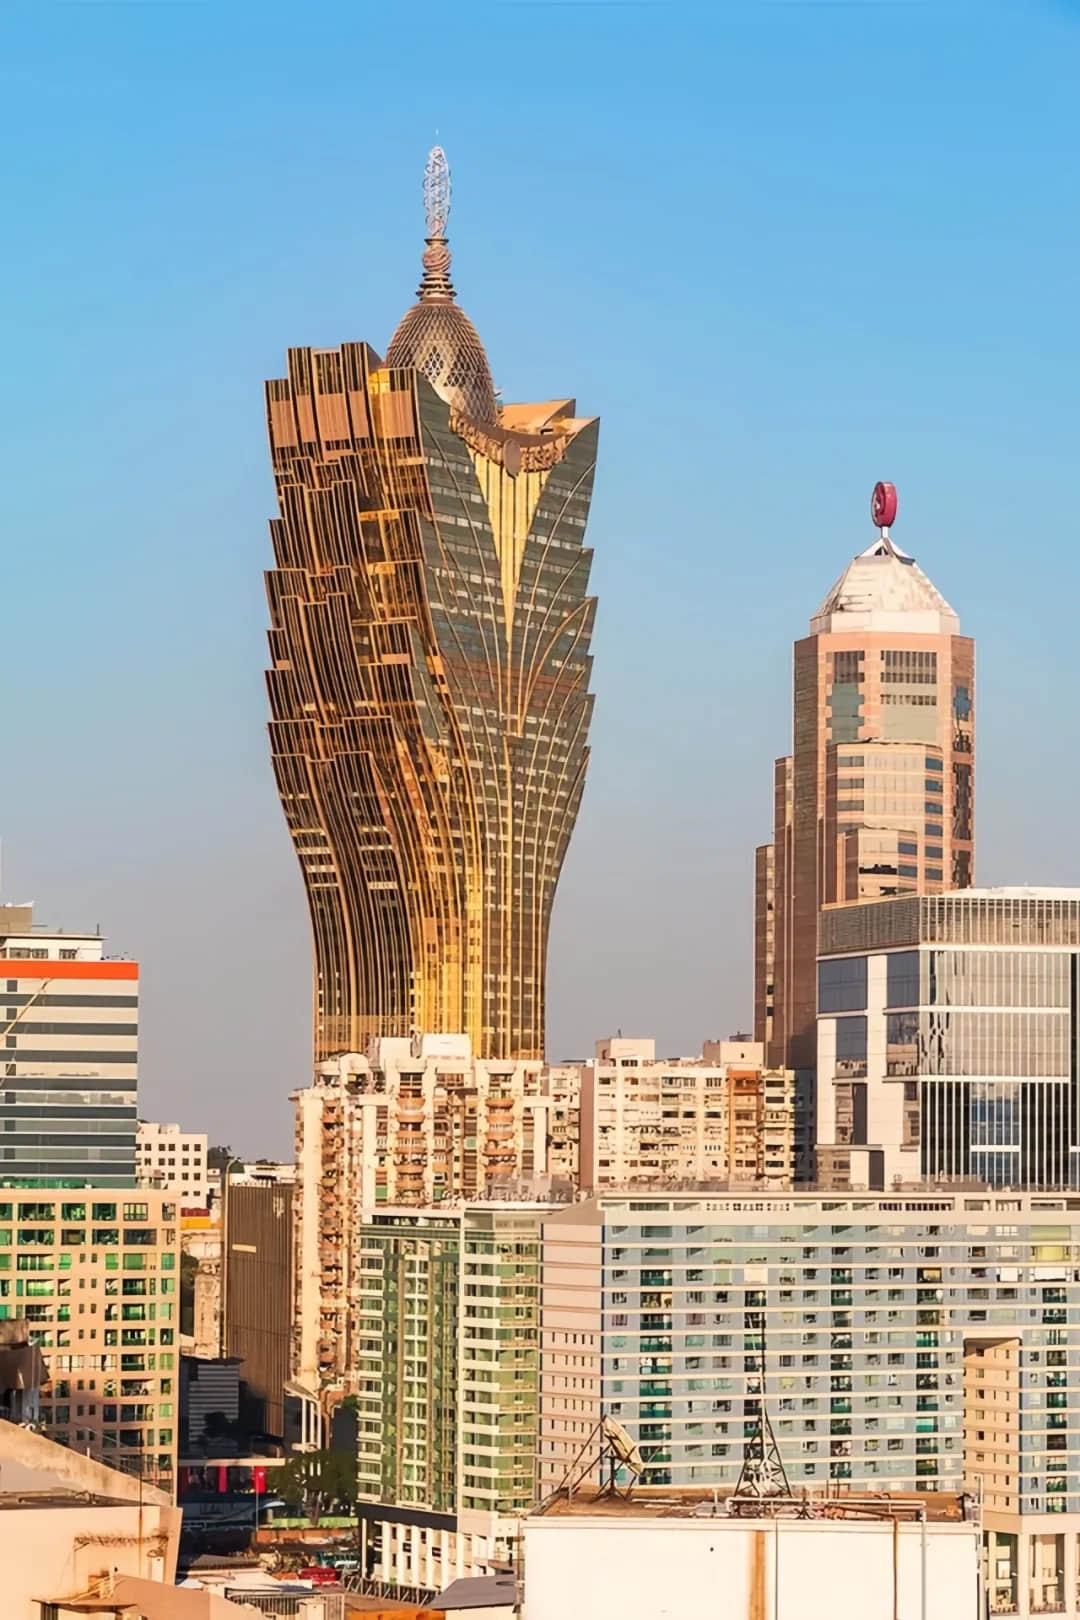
446,1385
915,1343
411,1123
173,1161
96,1276
947,1038
69,1021
722,1117
562,1086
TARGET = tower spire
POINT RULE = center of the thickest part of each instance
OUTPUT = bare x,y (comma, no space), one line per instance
436,286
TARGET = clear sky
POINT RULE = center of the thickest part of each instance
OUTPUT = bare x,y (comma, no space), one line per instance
782,247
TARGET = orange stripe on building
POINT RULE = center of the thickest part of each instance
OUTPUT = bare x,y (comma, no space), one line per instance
19,968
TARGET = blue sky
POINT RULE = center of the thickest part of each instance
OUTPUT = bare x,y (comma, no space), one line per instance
782,247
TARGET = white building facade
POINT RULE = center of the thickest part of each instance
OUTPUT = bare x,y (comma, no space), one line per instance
684,1560
174,1161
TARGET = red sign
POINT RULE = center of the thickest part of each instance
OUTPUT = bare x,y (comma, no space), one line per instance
258,1481
883,504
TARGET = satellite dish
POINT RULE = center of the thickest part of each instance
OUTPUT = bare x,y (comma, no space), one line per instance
623,1447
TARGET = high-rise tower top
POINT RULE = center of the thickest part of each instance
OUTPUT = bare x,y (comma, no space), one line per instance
436,336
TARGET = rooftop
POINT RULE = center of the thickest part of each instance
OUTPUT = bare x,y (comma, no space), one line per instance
667,1502
882,590
478,1592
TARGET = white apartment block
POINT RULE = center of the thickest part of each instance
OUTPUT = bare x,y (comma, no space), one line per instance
721,1117
173,1161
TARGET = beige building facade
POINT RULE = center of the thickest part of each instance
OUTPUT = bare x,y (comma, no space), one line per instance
70,1526
721,1117
96,1276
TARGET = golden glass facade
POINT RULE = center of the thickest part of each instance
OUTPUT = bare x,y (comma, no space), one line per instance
430,627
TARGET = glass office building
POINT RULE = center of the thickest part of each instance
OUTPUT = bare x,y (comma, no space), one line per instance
948,1040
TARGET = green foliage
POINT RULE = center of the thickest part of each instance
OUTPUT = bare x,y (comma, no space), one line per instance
317,1480
188,1268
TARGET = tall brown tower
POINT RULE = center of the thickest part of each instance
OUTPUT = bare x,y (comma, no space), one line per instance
429,682
877,796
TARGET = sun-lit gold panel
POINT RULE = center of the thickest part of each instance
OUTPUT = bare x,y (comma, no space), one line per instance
429,641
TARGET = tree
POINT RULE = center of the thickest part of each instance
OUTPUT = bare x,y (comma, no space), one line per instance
219,1158
318,1480
188,1268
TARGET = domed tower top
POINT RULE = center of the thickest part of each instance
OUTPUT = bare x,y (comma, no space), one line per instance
883,588
435,336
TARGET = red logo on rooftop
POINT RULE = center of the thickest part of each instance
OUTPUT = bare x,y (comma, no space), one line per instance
883,504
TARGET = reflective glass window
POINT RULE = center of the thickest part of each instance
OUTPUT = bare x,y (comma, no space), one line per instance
842,984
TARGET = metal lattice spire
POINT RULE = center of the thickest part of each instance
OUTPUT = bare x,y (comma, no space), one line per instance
436,192
763,1474
435,336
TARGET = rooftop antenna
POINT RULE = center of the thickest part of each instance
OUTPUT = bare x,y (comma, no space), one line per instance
436,192
763,1476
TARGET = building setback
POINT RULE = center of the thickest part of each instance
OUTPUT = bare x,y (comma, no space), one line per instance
947,1040
877,795
429,682
70,1022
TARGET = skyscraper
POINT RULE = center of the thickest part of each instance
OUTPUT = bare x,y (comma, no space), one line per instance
430,626
877,795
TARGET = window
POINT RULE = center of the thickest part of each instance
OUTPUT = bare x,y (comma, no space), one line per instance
851,1047
902,978
842,984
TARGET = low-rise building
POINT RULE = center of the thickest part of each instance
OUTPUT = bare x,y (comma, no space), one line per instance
71,1526
672,1552
173,1161
95,1274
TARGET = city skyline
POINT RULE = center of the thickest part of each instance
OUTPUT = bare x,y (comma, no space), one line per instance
189,284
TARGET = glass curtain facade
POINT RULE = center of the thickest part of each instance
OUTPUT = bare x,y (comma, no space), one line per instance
980,1019
430,627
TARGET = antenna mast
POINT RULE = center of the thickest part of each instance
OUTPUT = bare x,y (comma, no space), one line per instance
763,1476
436,192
